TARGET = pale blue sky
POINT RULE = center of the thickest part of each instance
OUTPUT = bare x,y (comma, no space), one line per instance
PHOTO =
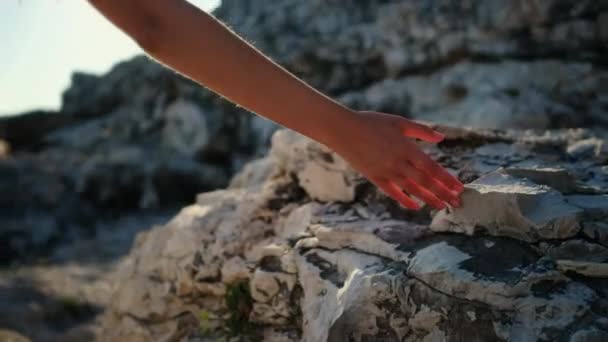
43,41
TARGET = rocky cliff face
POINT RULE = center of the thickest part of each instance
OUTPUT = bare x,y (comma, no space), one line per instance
138,138
521,64
143,137
300,247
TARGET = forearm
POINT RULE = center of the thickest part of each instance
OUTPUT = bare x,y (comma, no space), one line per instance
197,45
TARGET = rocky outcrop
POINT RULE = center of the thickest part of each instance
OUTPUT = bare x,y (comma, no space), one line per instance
27,130
275,258
506,93
137,138
299,245
143,137
480,63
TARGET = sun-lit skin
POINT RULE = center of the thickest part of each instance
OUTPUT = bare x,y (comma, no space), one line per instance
380,146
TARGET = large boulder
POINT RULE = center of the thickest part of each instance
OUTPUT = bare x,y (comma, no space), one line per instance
356,43
486,64
136,138
273,258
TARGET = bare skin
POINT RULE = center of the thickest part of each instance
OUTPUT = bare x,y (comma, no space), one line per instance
380,146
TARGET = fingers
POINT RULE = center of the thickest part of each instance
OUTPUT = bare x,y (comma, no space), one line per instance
416,130
395,193
423,194
437,189
424,163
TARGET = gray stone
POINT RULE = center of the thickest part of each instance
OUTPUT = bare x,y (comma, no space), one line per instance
367,270
367,41
300,244
595,206
322,173
592,147
559,179
504,205
576,250
185,128
589,269
597,231
589,335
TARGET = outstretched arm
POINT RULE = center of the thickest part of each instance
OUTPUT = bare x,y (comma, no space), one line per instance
198,46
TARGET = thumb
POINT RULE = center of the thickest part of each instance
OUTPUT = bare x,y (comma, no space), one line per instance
416,130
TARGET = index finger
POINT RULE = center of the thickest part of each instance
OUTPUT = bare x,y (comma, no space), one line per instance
427,165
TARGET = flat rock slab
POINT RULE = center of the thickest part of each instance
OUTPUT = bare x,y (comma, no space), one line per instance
504,205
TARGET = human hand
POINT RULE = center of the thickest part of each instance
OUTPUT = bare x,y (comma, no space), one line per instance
380,147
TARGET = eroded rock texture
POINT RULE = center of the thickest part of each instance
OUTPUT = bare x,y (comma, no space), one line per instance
480,63
142,136
524,259
138,138
299,246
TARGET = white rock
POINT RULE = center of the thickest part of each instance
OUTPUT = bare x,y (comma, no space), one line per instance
504,205
595,205
234,270
590,269
185,128
592,147
323,174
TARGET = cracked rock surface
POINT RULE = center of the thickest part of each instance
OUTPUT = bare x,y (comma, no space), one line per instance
521,63
520,261
299,247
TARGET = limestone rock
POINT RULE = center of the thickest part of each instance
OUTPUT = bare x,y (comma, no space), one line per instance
592,147
11,336
507,206
366,41
597,231
576,249
590,269
558,179
595,206
5,149
322,173
300,247
185,128
269,251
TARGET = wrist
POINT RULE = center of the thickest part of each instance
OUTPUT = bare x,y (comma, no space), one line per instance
333,126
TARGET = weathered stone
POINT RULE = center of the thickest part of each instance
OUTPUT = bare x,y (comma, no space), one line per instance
271,292
597,231
300,244
590,269
11,336
504,205
370,270
253,174
576,250
592,147
594,206
322,173
234,270
185,128
5,149
559,179
367,41
377,237
589,335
